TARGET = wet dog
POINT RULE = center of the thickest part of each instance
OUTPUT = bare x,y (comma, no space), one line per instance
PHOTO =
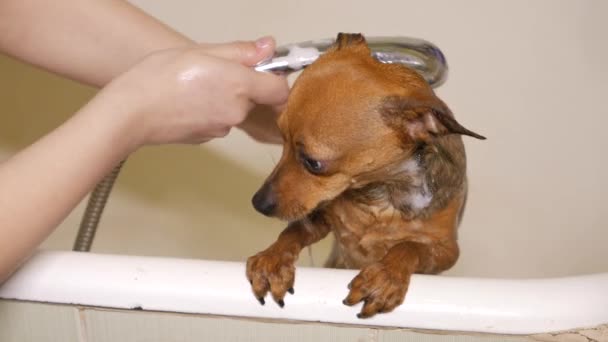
373,155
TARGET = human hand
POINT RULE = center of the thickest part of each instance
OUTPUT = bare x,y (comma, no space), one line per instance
193,94
261,124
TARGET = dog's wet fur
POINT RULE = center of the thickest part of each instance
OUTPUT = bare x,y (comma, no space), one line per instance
373,155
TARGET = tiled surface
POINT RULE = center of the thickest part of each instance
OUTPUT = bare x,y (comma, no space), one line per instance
407,336
39,322
106,326
109,326
34,322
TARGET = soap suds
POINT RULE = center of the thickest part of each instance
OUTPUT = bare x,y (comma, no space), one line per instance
420,195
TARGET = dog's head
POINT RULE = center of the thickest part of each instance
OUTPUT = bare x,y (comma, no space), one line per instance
349,119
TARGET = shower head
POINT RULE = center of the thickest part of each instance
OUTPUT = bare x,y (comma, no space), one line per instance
417,54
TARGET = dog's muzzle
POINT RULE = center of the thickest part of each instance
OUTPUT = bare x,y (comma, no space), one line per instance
265,200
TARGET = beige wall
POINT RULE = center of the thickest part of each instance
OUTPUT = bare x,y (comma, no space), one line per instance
530,75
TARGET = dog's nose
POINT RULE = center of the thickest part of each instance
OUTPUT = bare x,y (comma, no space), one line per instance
264,200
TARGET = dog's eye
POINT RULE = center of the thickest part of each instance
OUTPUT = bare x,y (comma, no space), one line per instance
313,166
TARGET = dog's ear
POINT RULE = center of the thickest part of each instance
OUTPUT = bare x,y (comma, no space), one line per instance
352,42
421,119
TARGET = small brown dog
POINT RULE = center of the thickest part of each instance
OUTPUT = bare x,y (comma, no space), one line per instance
373,155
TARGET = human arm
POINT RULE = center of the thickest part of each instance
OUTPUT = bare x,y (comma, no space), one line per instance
89,41
93,41
205,91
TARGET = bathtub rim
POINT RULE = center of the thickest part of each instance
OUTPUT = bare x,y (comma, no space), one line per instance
219,288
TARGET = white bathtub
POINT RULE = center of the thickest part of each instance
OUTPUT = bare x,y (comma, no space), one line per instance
522,308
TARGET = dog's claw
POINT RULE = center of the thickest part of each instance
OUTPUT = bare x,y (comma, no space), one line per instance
290,290
380,288
272,271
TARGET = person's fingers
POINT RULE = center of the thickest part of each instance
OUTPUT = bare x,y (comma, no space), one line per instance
268,89
265,47
264,88
246,53
261,125
279,108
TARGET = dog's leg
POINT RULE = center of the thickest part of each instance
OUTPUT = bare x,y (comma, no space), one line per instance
274,268
382,285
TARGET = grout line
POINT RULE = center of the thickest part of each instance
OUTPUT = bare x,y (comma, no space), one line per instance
81,324
373,335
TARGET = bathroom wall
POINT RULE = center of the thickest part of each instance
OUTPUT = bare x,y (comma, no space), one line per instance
530,75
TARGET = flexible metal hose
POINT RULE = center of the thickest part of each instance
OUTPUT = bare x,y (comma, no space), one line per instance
92,214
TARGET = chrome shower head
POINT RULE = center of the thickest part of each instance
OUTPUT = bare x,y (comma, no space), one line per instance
417,54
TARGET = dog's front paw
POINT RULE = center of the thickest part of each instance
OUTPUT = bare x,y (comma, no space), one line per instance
272,270
381,287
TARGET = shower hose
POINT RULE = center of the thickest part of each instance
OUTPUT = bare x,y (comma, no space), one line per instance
92,213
